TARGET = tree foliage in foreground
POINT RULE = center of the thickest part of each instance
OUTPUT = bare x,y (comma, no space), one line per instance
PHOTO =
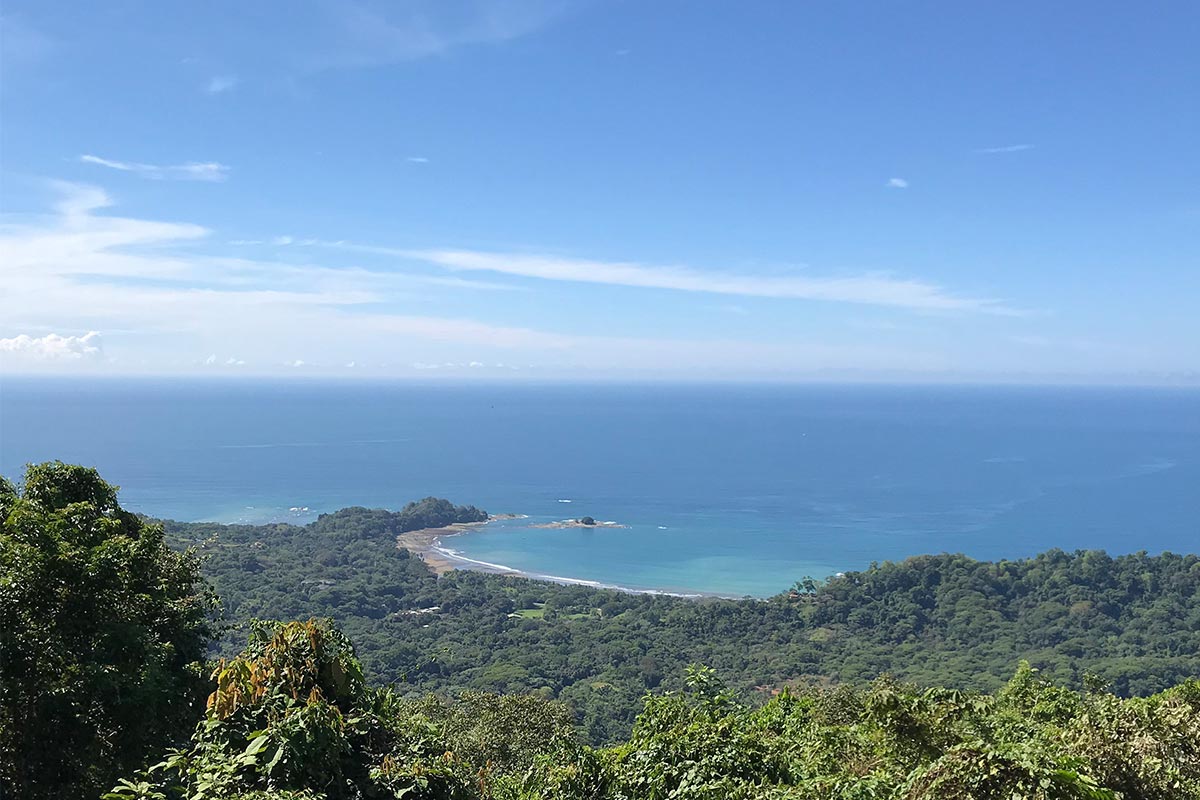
291,718
102,628
1029,740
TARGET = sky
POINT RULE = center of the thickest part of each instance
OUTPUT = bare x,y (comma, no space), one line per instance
561,189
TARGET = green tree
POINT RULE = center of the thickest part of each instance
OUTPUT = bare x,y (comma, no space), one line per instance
500,733
102,627
291,717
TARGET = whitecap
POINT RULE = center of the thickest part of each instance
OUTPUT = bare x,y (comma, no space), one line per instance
455,555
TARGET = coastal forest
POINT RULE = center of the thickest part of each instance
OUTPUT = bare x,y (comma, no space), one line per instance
1131,622
145,660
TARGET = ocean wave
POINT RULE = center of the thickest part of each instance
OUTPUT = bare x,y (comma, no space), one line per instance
456,555
600,585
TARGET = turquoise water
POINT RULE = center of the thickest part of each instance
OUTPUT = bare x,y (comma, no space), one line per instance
729,490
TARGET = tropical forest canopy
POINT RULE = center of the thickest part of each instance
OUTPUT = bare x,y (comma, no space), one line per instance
1132,621
1062,676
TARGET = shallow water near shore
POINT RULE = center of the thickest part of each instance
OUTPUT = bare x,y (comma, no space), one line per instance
729,490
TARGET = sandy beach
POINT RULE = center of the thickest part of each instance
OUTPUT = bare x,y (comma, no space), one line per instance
423,544
427,545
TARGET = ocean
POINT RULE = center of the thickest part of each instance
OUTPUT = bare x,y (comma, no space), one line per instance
737,490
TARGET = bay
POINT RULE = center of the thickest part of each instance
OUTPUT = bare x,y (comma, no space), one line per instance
725,489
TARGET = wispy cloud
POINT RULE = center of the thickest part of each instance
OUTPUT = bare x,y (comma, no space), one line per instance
869,289
191,171
78,199
181,310
286,241
76,269
1008,148
417,160
897,183
220,83
364,33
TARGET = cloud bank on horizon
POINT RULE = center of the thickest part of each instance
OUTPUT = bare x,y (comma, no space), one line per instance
558,189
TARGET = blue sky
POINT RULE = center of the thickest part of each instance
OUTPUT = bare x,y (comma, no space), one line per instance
542,189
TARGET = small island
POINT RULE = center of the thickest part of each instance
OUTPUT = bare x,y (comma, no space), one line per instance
582,522
421,528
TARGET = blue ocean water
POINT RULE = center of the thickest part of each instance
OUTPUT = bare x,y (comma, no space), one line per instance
734,490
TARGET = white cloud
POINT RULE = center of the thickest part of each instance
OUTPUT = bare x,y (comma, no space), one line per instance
870,289
220,83
1011,148
417,160
232,361
78,269
79,199
897,183
363,33
53,347
191,171
282,241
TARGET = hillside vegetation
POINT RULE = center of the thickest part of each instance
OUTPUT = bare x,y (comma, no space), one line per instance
106,691
1133,622
292,718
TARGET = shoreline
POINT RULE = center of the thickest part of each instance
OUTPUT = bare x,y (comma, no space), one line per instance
426,544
